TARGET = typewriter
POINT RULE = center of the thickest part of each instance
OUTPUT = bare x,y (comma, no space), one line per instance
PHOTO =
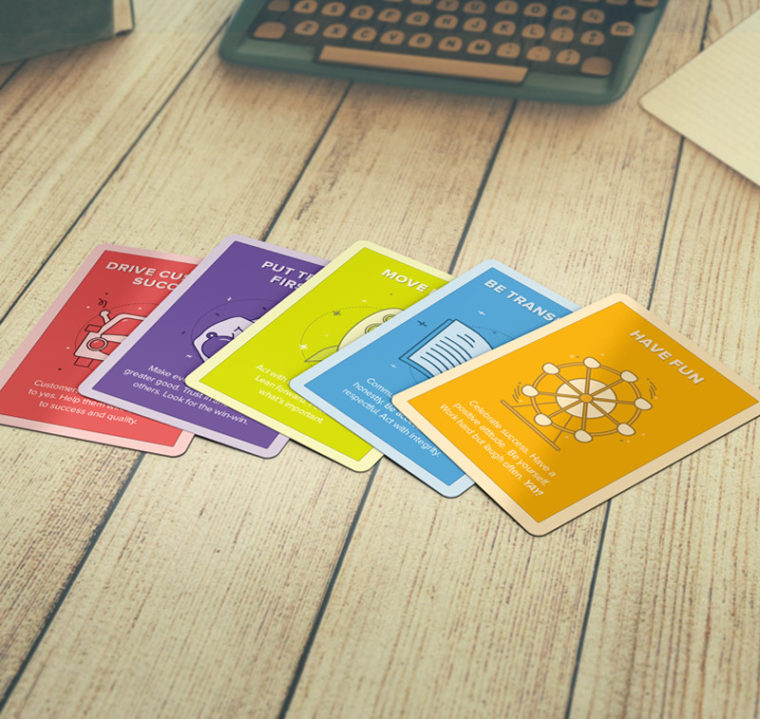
578,51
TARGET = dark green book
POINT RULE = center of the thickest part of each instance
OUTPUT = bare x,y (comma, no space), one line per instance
34,27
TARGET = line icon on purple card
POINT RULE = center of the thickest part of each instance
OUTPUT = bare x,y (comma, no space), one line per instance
216,336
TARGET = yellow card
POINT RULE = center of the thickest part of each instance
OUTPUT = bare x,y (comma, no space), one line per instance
564,418
362,288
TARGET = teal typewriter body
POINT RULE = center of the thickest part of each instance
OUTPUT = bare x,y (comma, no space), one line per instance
575,51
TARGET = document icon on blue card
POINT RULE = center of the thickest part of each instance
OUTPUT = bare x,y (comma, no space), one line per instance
479,311
446,347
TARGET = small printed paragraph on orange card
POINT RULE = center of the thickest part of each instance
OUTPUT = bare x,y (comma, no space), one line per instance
562,419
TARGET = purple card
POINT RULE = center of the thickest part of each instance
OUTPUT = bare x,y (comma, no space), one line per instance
234,286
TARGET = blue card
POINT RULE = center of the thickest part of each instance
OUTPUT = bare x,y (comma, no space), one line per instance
479,311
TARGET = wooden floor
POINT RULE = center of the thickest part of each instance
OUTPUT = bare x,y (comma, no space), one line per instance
221,585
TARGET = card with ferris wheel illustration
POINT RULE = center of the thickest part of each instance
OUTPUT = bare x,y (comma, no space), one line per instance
562,419
360,289
110,295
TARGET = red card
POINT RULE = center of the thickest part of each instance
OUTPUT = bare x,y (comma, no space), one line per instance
115,289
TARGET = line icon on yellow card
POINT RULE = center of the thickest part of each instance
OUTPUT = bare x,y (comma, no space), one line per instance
336,329
559,420
361,289
581,400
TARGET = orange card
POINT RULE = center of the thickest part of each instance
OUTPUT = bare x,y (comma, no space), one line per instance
564,418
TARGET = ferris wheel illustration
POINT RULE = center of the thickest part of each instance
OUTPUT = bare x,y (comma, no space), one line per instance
580,401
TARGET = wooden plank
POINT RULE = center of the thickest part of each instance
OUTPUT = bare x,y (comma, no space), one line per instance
579,194
200,594
68,118
437,604
673,629
200,174
197,596
446,607
404,176
53,496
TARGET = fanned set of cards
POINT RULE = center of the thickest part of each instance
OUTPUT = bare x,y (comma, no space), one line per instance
488,378
481,310
357,292
238,283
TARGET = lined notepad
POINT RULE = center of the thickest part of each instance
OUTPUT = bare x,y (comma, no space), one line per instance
714,100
